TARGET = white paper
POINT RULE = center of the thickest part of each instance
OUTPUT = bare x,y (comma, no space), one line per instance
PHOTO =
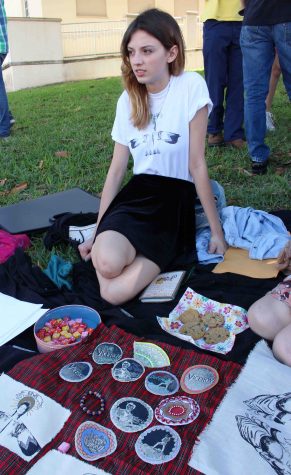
17,316
56,463
250,432
28,418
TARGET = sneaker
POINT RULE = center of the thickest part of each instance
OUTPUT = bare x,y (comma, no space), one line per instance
215,140
12,121
270,125
259,168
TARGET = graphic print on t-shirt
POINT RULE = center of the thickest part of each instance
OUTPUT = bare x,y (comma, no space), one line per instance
152,139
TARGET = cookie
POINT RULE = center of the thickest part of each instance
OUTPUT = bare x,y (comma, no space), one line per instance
195,331
216,335
190,316
213,319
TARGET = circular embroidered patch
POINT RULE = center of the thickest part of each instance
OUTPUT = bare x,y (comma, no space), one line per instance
130,414
199,378
94,441
107,353
157,445
127,370
177,411
150,355
76,372
162,383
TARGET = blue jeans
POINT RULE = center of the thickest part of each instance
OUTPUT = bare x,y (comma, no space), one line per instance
4,109
258,45
223,74
220,202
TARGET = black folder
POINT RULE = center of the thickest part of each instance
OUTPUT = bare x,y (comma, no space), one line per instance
36,215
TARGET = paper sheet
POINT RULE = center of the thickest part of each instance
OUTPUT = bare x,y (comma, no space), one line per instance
17,316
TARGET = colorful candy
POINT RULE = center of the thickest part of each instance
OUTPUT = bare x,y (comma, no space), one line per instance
64,331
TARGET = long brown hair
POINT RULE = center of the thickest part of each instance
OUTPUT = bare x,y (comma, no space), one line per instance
164,28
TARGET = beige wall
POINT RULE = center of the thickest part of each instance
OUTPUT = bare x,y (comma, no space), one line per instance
35,53
115,9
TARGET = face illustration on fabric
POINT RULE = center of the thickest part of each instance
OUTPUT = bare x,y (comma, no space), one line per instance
257,428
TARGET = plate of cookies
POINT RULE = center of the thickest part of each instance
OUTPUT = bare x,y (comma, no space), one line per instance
206,323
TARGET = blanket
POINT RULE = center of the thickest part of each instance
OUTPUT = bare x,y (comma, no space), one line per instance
42,373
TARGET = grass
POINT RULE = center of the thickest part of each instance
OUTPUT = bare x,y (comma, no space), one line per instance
62,139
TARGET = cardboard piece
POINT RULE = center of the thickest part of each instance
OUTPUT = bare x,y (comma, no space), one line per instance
237,261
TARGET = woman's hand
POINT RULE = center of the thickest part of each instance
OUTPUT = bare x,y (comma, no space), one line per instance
85,249
217,245
284,259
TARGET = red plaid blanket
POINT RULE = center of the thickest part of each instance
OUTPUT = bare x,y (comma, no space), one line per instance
41,373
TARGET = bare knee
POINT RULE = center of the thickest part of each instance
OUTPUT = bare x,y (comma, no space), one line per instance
107,267
256,319
281,349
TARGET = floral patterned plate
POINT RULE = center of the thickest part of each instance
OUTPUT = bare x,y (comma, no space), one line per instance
235,320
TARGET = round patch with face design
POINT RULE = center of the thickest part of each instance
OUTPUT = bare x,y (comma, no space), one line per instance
158,444
130,414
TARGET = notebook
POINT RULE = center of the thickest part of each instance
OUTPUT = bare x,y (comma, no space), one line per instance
163,288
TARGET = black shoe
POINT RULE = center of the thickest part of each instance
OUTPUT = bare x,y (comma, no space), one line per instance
259,168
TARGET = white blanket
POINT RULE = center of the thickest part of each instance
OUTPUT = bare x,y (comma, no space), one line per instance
250,432
28,418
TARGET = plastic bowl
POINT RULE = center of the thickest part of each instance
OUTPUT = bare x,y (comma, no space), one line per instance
89,316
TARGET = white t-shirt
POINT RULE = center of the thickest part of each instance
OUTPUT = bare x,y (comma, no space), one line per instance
162,148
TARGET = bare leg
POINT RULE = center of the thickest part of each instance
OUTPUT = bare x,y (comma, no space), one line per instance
121,273
268,316
282,344
275,75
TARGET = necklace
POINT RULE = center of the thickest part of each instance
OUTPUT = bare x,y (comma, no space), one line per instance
157,102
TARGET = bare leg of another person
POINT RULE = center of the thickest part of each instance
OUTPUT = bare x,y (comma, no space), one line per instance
121,273
275,75
282,344
268,316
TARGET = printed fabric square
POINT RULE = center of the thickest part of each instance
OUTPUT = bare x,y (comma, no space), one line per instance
255,420
55,463
28,418
198,329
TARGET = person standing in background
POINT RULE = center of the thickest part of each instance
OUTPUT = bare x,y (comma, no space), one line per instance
266,26
223,72
6,119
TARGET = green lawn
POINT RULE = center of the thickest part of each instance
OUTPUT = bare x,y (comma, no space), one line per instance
62,139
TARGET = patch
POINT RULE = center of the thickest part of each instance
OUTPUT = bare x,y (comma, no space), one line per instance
127,370
150,355
179,410
157,445
94,441
76,372
130,414
162,383
107,353
199,378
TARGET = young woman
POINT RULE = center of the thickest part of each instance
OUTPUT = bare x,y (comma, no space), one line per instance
161,120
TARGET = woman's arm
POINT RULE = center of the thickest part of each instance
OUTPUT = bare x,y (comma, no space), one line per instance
199,172
111,187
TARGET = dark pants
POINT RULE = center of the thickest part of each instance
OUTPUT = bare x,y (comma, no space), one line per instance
4,109
224,77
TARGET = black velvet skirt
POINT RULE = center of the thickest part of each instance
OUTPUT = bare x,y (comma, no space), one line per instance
157,215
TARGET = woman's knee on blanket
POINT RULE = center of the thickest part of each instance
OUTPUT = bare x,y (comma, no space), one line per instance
268,316
282,345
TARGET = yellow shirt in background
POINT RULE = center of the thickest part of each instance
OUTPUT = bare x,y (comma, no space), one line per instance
222,10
